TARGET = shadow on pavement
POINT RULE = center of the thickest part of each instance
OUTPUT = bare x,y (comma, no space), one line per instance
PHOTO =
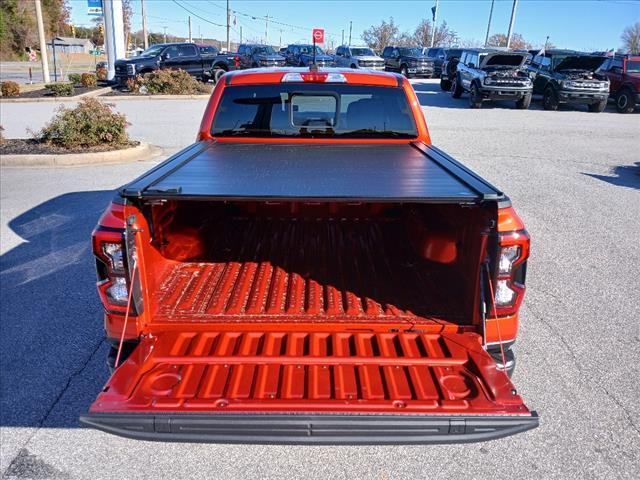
623,176
50,316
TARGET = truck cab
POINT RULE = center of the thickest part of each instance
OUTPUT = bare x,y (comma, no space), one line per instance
311,270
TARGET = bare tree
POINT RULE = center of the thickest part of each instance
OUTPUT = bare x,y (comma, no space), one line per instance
517,41
631,38
444,36
378,37
422,34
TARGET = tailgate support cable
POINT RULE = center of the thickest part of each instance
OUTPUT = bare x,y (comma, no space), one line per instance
495,317
126,315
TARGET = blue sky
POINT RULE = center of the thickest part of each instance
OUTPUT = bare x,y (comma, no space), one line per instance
578,24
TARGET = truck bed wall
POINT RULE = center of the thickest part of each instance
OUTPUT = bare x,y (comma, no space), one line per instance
320,262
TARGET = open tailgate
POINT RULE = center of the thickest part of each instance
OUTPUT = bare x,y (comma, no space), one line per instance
347,387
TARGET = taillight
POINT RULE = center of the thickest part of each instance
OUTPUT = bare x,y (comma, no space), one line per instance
236,61
111,267
511,264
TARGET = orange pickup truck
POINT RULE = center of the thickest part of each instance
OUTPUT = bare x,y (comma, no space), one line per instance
311,270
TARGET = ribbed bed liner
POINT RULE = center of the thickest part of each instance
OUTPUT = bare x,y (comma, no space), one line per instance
306,270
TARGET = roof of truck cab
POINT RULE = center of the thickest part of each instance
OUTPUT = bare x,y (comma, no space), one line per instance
254,76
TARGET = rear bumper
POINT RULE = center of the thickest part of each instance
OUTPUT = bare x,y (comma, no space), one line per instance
356,429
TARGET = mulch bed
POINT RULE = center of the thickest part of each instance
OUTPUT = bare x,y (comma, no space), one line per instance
44,93
28,146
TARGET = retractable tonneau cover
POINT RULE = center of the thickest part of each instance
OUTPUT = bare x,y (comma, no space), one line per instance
412,172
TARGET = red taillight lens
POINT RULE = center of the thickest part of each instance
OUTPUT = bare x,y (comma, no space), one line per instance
108,248
511,271
236,61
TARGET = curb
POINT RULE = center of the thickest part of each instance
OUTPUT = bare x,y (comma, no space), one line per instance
92,93
140,152
156,97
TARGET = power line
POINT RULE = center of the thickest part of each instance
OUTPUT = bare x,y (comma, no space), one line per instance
198,16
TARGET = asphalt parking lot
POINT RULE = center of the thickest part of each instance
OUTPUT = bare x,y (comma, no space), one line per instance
574,177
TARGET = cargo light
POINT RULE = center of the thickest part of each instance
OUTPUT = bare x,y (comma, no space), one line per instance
314,77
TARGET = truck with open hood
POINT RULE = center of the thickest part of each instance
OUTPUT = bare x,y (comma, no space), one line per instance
311,270
569,77
489,74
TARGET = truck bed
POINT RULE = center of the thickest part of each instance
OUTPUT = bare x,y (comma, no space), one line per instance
309,270
412,172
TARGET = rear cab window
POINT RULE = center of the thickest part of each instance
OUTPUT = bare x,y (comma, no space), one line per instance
314,111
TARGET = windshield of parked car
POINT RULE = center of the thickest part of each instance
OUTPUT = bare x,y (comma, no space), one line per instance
309,49
264,50
410,52
152,51
362,52
633,66
314,111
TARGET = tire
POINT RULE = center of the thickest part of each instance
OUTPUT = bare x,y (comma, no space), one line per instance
625,101
404,71
456,88
475,98
524,102
217,73
550,99
598,107
353,65
445,84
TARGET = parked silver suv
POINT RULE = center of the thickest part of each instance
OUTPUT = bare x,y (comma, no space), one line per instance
358,57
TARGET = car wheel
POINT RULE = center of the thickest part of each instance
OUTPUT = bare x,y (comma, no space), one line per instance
353,65
456,88
550,99
625,102
475,99
404,71
217,73
598,107
524,102
445,84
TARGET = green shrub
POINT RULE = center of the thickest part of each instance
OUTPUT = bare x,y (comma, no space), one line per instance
169,82
91,123
10,89
62,89
75,78
88,79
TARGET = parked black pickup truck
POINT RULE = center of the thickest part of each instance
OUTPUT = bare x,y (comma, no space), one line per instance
410,62
200,61
565,76
492,75
255,56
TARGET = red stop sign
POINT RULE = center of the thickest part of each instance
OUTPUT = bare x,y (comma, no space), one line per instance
318,35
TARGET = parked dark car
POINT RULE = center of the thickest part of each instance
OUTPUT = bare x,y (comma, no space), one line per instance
409,61
623,72
437,56
566,76
492,75
301,55
198,60
256,55
449,65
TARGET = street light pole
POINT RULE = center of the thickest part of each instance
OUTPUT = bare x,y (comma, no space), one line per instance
145,37
43,43
511,22
228,27
350,28
435,19
486,38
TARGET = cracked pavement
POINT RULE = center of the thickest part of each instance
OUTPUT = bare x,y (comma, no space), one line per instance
574,178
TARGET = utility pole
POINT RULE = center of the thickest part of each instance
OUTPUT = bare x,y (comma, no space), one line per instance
266,29
43,43
228,27
435,19
486,38
190,37
165,34
145,36
240,33
511,22
350,28
280,44
342,43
